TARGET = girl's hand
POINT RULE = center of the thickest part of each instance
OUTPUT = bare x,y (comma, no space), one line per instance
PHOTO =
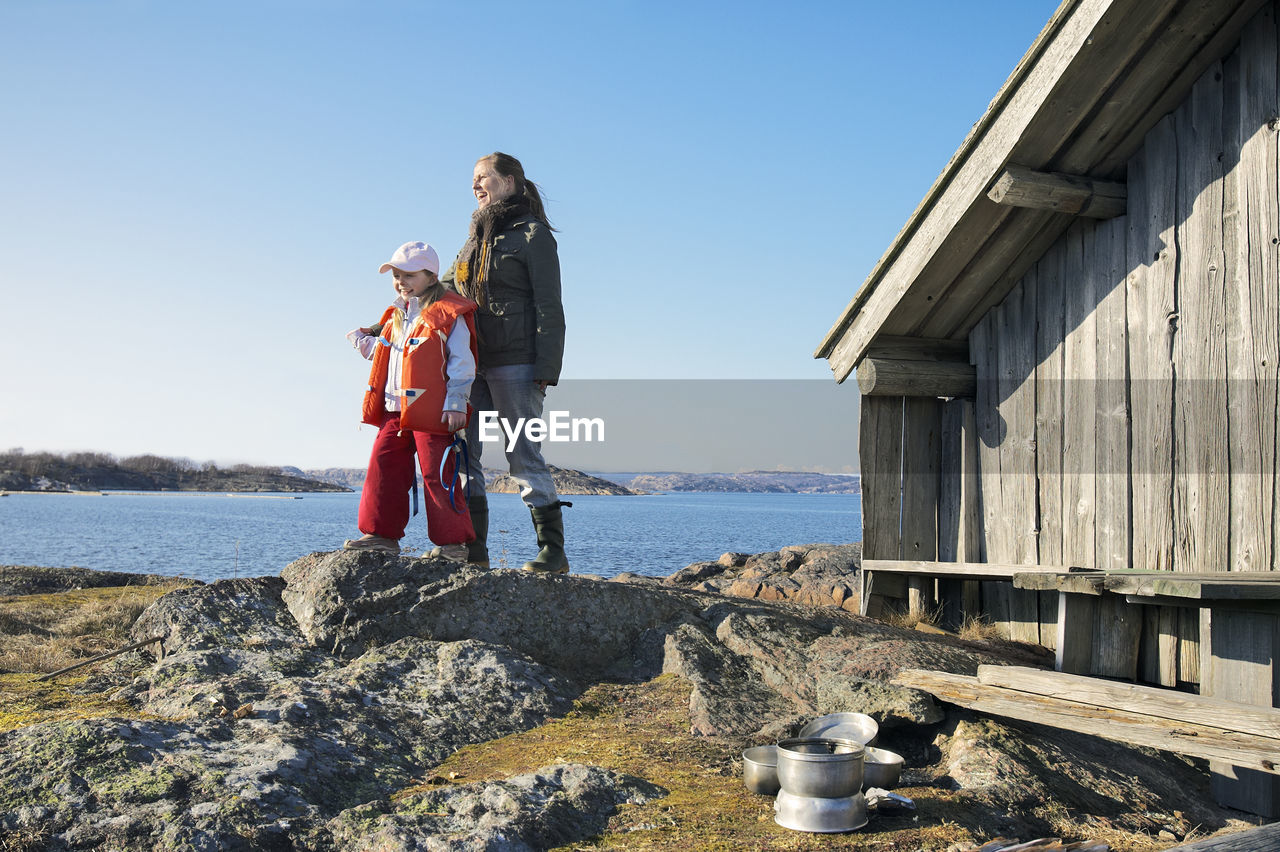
454,420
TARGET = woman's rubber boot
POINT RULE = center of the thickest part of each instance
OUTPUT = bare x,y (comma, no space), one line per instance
478,550
549,526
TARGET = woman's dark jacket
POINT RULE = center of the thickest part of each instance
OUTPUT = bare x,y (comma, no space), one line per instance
521,320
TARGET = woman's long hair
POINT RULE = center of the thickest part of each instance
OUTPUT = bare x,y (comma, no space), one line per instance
508,166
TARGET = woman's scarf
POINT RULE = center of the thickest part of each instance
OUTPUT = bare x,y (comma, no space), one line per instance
472,270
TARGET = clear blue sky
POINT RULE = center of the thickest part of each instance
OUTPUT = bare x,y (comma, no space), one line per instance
195,196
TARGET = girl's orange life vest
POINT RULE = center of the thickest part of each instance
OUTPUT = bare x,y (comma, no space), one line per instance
423,375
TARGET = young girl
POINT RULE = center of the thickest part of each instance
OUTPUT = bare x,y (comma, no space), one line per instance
424,360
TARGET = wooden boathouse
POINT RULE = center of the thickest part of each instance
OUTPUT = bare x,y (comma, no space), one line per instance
1069,361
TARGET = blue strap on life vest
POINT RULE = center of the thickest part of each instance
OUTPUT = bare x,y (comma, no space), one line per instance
415,495
463,462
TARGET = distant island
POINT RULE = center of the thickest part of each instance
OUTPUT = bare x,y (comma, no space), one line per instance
577,482
49,472
754,481
93,471
497,481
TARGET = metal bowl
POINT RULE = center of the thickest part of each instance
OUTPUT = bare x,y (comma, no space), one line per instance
824,816
847,726
820,766
881,768
760,770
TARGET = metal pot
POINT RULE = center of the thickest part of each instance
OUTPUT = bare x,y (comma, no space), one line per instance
820,766
760,770
881,768
847,726
825,816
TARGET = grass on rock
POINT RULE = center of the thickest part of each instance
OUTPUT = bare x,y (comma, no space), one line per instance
43,633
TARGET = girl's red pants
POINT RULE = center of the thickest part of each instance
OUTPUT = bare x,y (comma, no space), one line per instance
384,501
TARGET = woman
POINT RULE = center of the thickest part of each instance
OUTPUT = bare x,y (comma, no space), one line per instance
510,267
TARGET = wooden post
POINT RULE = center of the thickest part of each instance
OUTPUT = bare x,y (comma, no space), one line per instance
921,476
880,456
1074,651
1242,669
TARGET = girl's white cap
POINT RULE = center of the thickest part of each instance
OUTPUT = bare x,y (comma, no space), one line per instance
413,257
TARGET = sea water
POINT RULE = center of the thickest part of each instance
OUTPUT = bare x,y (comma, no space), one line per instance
214,536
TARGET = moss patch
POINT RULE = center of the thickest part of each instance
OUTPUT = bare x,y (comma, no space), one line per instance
45,632
643,730
24,702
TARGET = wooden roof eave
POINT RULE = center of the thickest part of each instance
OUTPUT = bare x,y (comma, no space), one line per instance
1081,99
833,339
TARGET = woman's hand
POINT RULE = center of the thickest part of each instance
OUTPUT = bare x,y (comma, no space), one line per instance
454,420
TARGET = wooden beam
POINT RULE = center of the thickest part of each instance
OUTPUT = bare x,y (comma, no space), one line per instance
960,570
884,377
1265,838
1019,186
1154,701
1136,729
898,347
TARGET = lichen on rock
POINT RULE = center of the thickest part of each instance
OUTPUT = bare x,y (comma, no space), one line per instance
303,712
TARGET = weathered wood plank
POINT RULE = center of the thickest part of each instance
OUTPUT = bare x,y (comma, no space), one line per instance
959,508
1150,700
1080,352
903,348
880,455
1008,254
1140,729
1253,297
971,570
1200,427
951,484
1018,186
1111,448
1204,31
1050,333
1243,670
1265,838
1149,646
1084,583
1074,648
1170,668
990,432
876,589
921,478
885,377
1017,344
1117,631
1152,263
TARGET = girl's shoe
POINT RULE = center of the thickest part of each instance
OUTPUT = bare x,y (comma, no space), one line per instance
375,543
450,552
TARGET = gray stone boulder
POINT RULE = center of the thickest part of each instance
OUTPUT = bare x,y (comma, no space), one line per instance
551,807
586,629
812,574
752,664
286,712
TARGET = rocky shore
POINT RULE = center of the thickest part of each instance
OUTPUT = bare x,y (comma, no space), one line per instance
361,702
